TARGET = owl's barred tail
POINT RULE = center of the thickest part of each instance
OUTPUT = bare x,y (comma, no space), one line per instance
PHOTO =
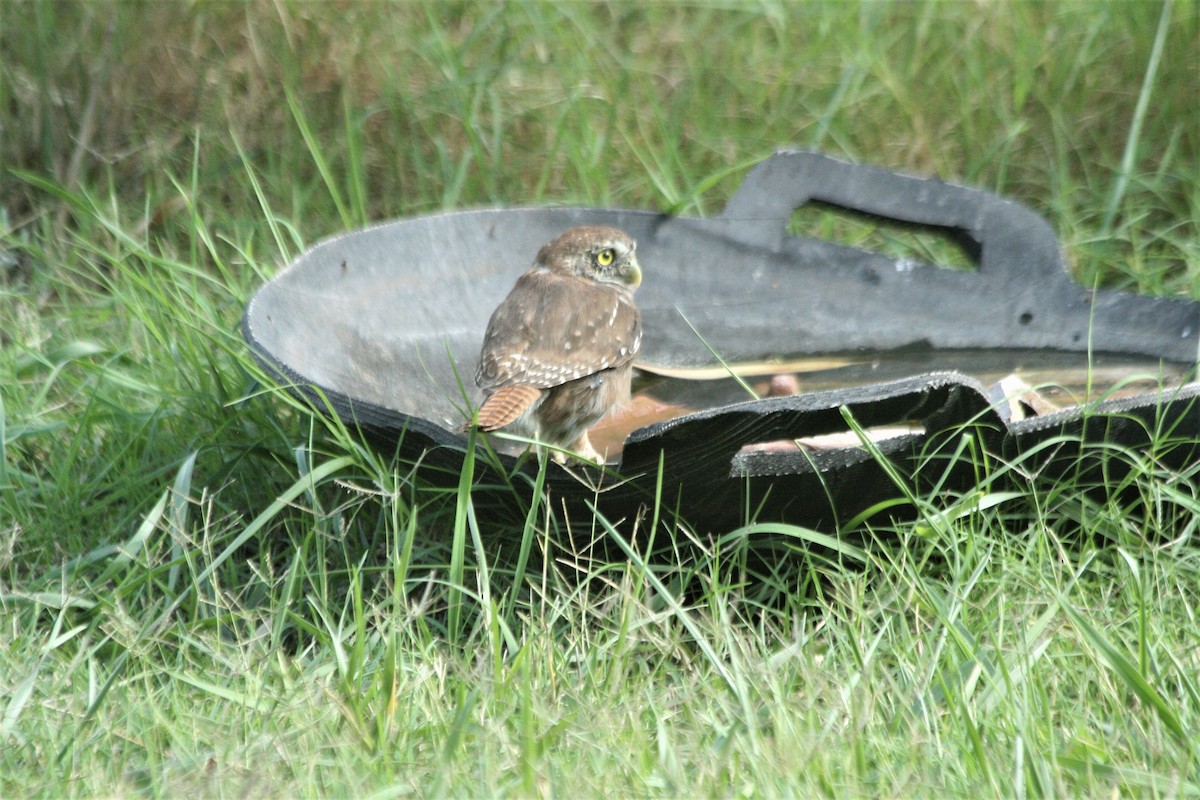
506,405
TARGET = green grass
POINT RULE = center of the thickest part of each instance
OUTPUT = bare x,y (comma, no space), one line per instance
206,590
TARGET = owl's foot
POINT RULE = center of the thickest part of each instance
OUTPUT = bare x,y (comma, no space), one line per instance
581,450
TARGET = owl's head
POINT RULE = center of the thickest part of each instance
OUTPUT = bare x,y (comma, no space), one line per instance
600,254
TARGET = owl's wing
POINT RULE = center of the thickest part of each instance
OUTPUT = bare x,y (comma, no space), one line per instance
552,329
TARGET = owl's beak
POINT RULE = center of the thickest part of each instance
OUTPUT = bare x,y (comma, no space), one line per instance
633,273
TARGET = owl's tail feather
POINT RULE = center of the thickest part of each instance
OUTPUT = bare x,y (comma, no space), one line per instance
506,405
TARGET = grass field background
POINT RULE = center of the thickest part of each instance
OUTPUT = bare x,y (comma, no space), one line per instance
207,591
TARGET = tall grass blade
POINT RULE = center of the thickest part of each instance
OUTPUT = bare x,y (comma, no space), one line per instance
318,157
304,484
1132,677
1133,139
178,518
464,513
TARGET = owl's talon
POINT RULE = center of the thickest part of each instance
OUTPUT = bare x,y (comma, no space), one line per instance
590,457
583,450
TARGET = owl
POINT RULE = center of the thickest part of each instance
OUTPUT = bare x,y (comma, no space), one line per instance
558,352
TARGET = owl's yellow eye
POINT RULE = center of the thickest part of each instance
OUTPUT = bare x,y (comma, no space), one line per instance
605,257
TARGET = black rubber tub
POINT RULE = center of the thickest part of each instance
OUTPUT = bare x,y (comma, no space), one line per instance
386,324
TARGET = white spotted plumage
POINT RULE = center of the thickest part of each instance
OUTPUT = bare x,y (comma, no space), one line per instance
570,317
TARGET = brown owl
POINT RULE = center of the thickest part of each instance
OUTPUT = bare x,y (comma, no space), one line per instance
558,352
